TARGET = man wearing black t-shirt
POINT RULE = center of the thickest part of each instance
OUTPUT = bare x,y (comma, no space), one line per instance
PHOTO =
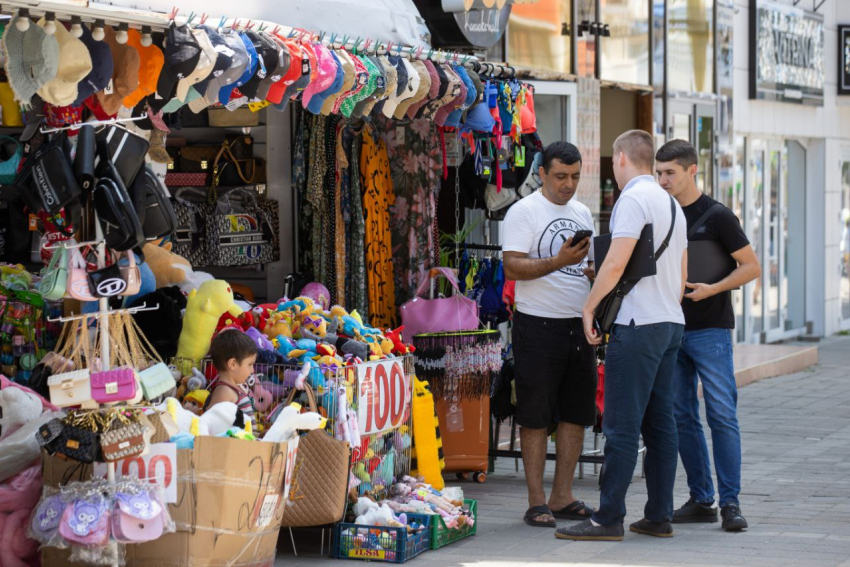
706,352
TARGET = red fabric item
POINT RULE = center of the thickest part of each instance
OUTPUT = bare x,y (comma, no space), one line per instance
509,296
600,390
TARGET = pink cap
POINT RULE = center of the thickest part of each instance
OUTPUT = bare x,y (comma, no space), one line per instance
325,77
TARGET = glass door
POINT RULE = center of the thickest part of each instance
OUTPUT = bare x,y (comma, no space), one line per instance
756,182
844,245
696,122
777,231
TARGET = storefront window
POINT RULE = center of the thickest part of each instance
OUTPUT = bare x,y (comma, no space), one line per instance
756,231
586,46
844,246
625,54
733,189
535,37
772,299
793,207
690,46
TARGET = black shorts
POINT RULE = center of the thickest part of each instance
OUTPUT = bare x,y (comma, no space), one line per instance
554,372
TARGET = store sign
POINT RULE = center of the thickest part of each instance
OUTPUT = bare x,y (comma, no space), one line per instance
786,53
844,60
159,466
383,396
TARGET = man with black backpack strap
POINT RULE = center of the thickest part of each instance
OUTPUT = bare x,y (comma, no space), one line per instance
721,259
644,339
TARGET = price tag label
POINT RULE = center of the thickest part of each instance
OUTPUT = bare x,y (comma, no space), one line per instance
158,467
267,511
383,395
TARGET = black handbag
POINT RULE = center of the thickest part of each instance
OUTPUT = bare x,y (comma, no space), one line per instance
85,157
153,205
607,310
50,179
77,443
124,149
15,235
49,433
122,230
38,380
107,281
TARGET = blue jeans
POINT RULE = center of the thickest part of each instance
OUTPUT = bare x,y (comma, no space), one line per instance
707,355
639,366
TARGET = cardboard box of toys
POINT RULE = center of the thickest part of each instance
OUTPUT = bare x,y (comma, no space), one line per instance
229,505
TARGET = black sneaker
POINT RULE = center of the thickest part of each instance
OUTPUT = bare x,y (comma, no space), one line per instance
586,531
733,521
692,512
655,529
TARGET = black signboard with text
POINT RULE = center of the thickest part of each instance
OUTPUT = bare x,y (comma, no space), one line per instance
844,59
786,53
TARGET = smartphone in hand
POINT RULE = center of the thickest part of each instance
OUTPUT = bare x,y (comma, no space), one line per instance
580,236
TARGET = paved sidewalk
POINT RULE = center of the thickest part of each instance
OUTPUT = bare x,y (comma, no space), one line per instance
796,493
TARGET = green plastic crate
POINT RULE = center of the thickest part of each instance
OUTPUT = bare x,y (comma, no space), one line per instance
442,536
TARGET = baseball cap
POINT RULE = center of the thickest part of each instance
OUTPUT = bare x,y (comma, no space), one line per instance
74,65
408,84
387,81
444,95
151,61
250,70
182,53
433,91
293,73
32,118
308,62
456,86
325,75
453,119
32,59
423,87
267,57
391,68
101,70
348,78
364,86
125,74
223,61
479,90
239,62
318,100
281,68
203,68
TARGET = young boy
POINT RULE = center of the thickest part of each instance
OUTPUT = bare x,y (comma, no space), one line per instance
233,355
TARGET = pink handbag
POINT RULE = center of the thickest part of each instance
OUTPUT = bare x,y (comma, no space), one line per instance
131,274
78,279
86,523
118,385
455,313
137,518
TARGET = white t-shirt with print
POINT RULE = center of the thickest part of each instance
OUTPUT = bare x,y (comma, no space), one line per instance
538,227
654,299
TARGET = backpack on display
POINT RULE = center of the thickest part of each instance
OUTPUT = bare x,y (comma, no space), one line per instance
122,230
153,205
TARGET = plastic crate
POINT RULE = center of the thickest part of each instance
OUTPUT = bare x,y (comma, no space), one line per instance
442,535
394,545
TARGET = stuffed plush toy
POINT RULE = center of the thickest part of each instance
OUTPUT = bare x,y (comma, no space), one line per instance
17,407
289,421
203,310
168,268
194,401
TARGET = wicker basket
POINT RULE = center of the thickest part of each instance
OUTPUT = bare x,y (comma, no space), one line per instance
241,117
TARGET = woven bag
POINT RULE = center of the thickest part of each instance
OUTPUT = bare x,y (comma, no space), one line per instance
319,479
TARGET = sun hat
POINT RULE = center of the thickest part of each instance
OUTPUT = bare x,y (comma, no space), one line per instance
32,59
74,65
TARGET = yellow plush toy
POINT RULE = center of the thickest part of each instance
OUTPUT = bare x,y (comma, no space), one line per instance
205,307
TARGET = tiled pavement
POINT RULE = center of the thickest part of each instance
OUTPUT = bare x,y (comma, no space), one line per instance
796,493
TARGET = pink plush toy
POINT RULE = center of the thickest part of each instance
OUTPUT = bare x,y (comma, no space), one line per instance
263,399
18,496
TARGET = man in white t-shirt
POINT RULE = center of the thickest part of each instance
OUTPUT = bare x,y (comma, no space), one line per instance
642,349
555,367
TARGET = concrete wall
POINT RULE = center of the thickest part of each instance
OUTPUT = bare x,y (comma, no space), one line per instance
825,132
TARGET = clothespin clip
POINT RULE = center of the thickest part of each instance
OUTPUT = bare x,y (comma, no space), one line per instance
249,25
262,27
465,59
190,18
345,42
366,47
222,21
173,15
430,53
235,25
275,30
292,33
419,52
333,40
203,19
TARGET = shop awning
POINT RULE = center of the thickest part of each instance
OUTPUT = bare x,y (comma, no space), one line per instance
397,21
